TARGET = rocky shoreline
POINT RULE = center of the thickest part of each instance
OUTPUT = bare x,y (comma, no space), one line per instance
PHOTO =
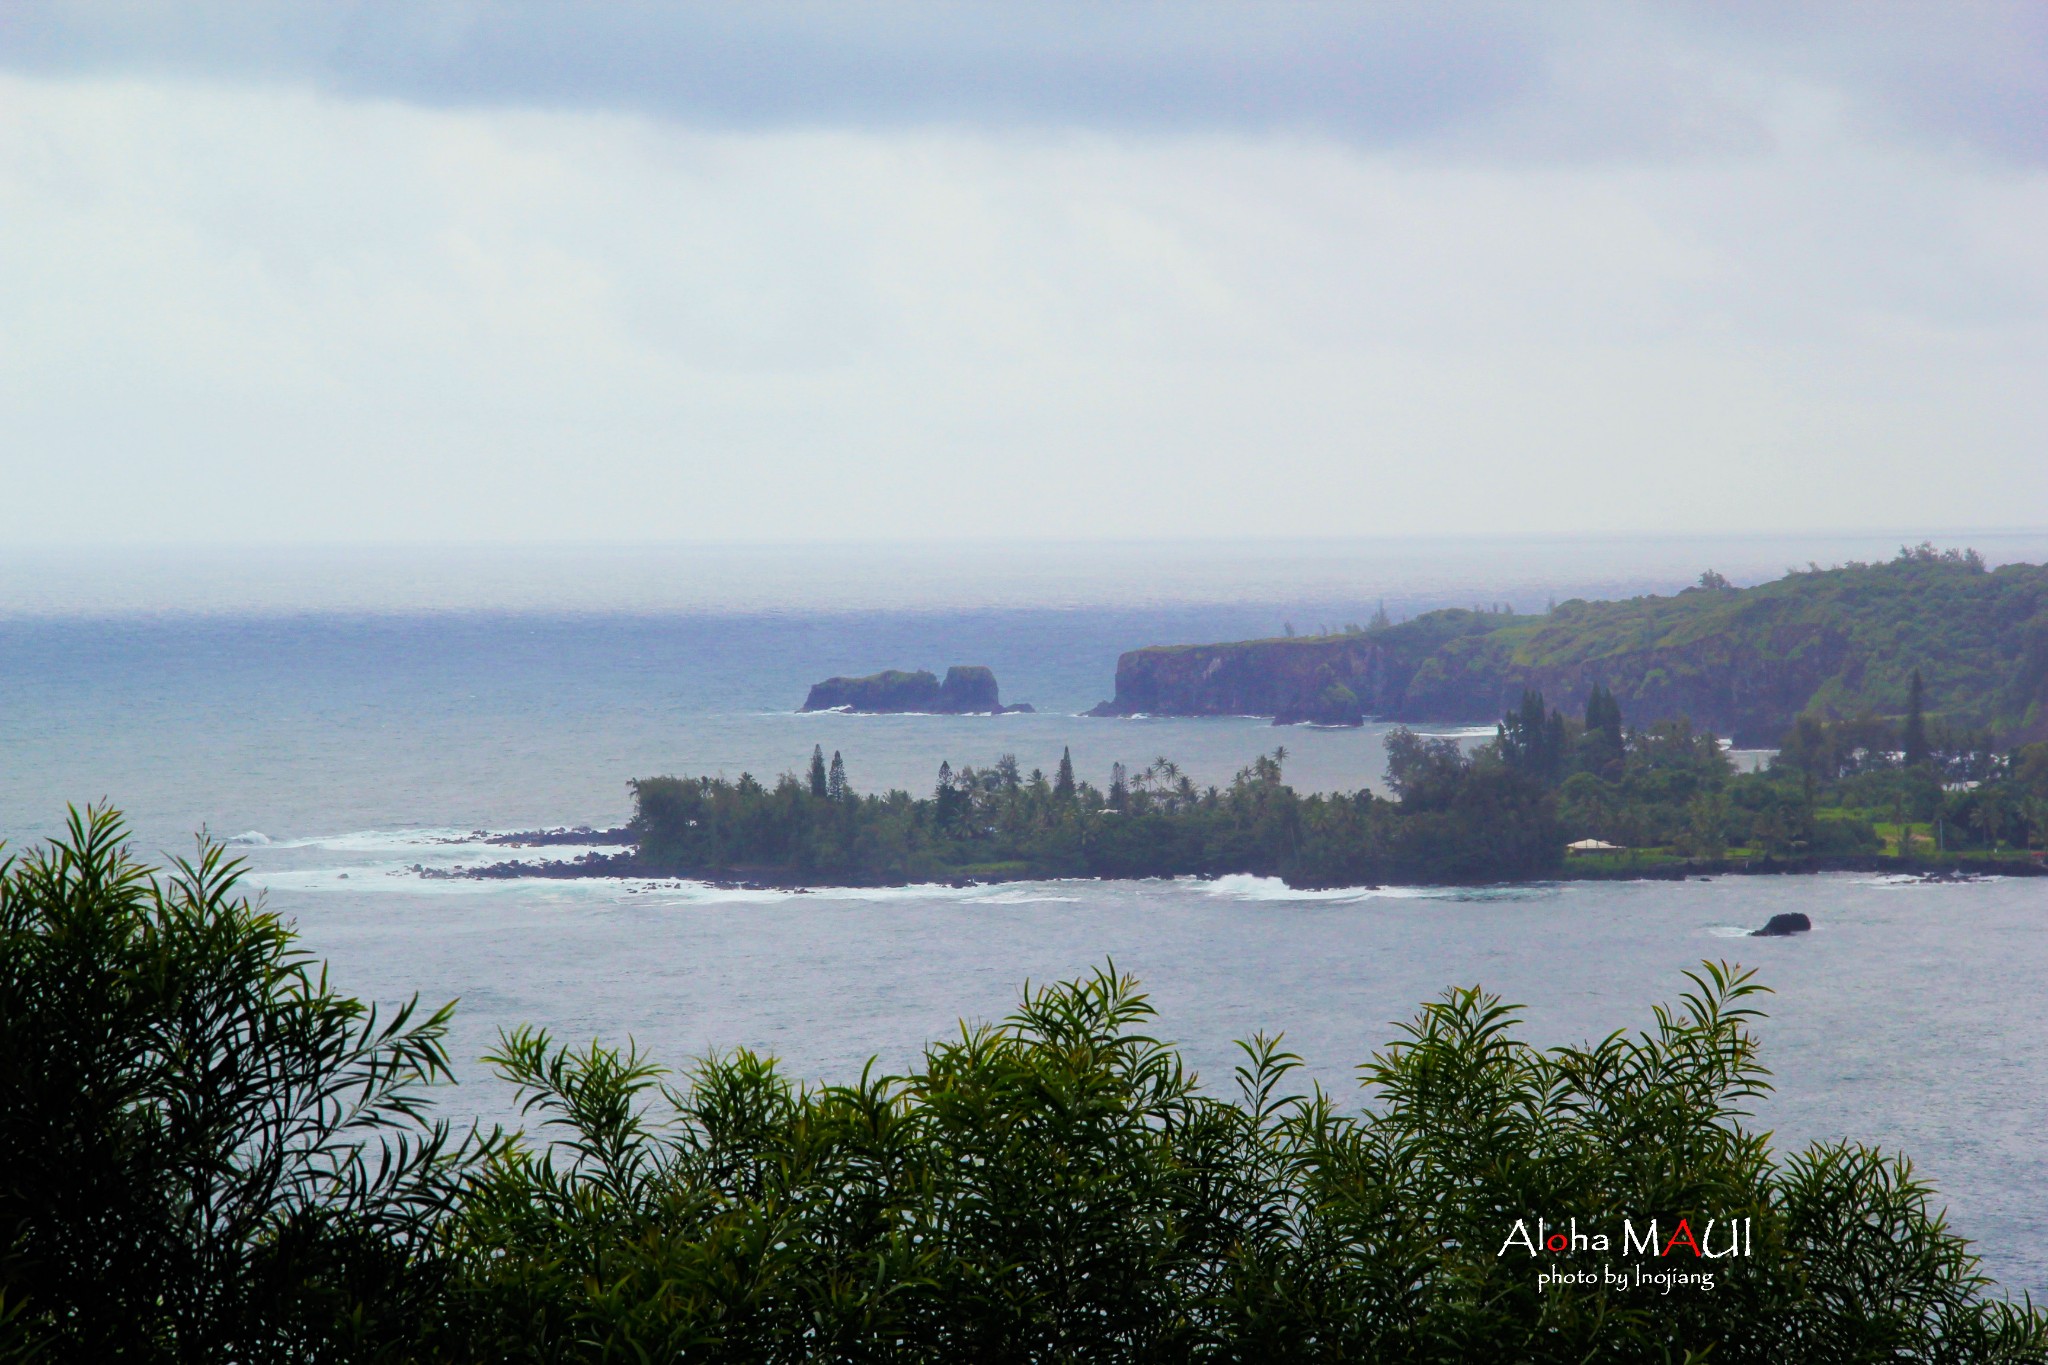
630,865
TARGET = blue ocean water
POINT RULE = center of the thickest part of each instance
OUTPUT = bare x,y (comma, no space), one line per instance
343,716
301,725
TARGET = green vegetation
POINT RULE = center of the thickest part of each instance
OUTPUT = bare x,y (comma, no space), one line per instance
1838,793
205,1152
209,1155
1841,644
1455,819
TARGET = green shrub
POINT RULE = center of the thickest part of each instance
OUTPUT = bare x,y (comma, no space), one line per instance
1057,1188
1845,836
205,1153
208,1155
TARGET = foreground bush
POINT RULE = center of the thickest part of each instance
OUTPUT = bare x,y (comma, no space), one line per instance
210,1156
1056,1189
205,1153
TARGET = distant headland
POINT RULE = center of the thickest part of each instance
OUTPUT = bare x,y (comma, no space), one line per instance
1836,644
967,691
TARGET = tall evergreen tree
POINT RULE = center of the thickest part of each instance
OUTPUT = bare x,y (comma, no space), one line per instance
1601,750
818,778
1531,739
948,800
1063,785
835,782
1914,738
1603,714
1119,786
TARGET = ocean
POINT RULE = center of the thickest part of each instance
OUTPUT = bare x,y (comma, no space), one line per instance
341,716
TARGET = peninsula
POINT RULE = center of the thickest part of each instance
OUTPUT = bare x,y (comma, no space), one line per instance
1838,644
1551,796
966,691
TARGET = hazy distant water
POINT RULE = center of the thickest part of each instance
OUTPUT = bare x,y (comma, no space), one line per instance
1312,581
347,711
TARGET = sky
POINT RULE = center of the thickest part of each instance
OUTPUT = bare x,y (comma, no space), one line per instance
449,272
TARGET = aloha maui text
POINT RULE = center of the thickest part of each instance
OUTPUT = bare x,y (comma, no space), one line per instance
1716,1239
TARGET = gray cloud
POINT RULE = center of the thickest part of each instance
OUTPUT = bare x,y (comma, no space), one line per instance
527,273
1526,79
1392,71
1974,74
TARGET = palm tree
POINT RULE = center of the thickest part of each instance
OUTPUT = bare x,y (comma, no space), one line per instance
1986,818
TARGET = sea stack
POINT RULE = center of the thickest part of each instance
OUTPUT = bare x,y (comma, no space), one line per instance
969,690
1781,925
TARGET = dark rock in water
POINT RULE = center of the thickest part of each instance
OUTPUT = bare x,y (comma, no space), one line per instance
966,691
541,838
894,690
1780,925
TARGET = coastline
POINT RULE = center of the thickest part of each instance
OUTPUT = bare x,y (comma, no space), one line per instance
629,864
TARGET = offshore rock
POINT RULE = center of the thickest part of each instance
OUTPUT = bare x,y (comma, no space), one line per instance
1781,925
966,691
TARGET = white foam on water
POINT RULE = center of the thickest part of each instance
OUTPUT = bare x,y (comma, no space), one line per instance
447,849
1245,887
441,848
1898,881
1005,713
374,879
380,840
388,879
405,878
934,891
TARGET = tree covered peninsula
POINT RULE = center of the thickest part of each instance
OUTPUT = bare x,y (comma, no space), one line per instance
1921,795
1836,644
1454,821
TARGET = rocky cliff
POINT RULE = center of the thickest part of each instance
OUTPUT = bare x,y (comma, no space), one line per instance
1326,679
1742,662
970,690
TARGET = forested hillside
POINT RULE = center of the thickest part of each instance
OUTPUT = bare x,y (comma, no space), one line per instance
1840,643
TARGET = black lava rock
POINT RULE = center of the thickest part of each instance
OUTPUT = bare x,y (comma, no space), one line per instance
1780,925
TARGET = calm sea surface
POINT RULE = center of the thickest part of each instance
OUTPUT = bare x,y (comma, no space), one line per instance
344,718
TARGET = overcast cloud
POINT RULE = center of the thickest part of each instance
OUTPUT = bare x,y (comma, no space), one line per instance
553,272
